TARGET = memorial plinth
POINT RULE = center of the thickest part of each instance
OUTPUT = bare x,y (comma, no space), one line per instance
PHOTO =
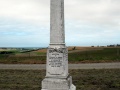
57,76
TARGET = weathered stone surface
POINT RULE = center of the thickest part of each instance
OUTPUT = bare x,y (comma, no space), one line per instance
57,62
57,76
57,35
58,84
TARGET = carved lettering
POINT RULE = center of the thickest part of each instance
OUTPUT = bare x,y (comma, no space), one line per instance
56,57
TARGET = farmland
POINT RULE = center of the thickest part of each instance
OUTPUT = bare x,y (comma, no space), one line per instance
76,55
103,79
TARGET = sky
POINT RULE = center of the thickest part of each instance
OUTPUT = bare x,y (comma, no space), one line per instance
26,23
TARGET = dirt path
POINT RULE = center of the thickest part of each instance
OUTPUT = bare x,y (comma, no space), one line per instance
71,66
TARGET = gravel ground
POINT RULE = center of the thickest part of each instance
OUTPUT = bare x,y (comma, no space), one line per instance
71,66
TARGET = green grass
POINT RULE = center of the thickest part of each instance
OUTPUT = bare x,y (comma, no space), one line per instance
83,79
107,54
23,59
103,55
40,53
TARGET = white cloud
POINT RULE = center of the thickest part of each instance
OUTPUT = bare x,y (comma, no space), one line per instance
85,20
38,11
96,11
34,11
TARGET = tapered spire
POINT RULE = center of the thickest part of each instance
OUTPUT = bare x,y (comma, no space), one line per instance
57,76
57,33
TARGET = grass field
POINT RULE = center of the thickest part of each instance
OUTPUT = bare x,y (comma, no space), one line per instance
96,55
76,55
83,79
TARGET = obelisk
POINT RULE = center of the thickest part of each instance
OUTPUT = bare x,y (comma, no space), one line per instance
57,76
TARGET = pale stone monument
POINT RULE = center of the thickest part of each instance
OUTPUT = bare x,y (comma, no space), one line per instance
57,76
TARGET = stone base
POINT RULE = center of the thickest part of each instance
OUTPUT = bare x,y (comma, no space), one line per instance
58,84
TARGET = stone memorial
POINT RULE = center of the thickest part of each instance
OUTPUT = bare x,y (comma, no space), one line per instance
57,76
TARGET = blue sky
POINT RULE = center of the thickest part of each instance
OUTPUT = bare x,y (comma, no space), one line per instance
26,23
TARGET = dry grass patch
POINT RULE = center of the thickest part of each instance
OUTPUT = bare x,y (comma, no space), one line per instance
83,79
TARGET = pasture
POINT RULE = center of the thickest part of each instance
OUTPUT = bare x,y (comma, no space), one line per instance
75,55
